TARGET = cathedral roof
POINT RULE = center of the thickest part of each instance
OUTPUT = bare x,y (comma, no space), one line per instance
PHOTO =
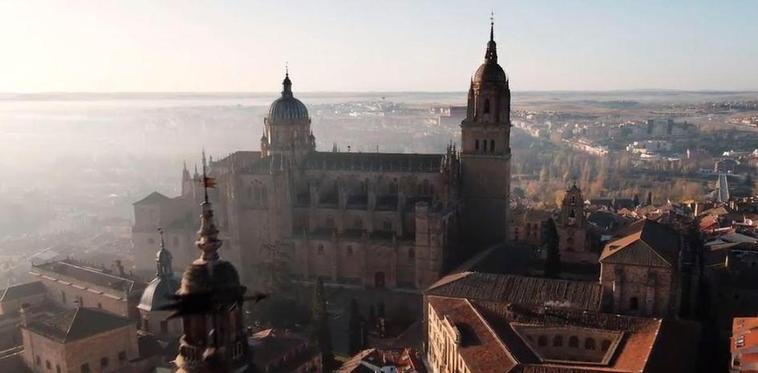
152,199
287,108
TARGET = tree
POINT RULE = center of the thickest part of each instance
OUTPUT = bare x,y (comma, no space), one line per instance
321,334
356,328
553,258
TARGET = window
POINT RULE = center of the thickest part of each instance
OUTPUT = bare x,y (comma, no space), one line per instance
486,106
320,249
476,144
57,368
48,365
542,340
574,341
145,324
589,344
492,146
37,360
164,326
99,305
484,146
349,250
85,368
104,362
634,303
122,356
411,253
558,341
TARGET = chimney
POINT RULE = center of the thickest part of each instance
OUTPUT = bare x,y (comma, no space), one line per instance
24,312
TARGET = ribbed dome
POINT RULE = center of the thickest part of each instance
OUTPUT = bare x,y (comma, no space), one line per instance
490,72
158,293
287,108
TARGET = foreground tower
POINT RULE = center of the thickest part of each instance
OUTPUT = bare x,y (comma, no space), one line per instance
486,151
209,302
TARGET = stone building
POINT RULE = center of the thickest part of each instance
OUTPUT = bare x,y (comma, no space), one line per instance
70,283
154,318
357,220
529,225
477,336
572,229
79,340
642,271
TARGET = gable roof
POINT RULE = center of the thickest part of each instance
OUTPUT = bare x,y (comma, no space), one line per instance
507,288
90,275
645,242
153,198
77,323
22,291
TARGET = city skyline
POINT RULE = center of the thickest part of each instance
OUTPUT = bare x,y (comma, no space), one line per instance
363,47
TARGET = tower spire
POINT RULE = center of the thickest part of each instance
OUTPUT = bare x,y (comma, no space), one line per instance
492,26
491,55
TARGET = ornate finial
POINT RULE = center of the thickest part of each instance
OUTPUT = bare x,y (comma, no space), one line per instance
207,236
286,69
160,232
491,55
163,258
287,83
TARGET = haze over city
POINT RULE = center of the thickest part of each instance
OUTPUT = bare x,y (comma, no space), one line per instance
373,187
112,46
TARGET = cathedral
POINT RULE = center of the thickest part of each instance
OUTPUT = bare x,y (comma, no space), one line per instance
357,220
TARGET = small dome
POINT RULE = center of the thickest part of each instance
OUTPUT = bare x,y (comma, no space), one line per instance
158,293
490,72
287,108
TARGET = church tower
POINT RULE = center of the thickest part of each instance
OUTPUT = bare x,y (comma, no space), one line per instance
572,229
209,302
287,128
486,151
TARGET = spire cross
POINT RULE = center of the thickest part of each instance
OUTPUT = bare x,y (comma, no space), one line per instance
286,68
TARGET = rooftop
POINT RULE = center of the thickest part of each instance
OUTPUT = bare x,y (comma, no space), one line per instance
645,242
77,323
87,274
22,291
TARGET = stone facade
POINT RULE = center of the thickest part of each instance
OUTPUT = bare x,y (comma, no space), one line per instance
641,271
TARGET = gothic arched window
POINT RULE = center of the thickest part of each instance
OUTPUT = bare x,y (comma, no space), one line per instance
492,146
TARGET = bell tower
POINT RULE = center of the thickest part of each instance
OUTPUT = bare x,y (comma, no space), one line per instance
287,128
486,151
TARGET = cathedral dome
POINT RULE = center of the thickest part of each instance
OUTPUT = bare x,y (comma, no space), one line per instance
287,108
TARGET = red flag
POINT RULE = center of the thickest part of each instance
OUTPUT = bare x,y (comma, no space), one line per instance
209,182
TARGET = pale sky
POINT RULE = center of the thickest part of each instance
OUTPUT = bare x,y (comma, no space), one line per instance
388,45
